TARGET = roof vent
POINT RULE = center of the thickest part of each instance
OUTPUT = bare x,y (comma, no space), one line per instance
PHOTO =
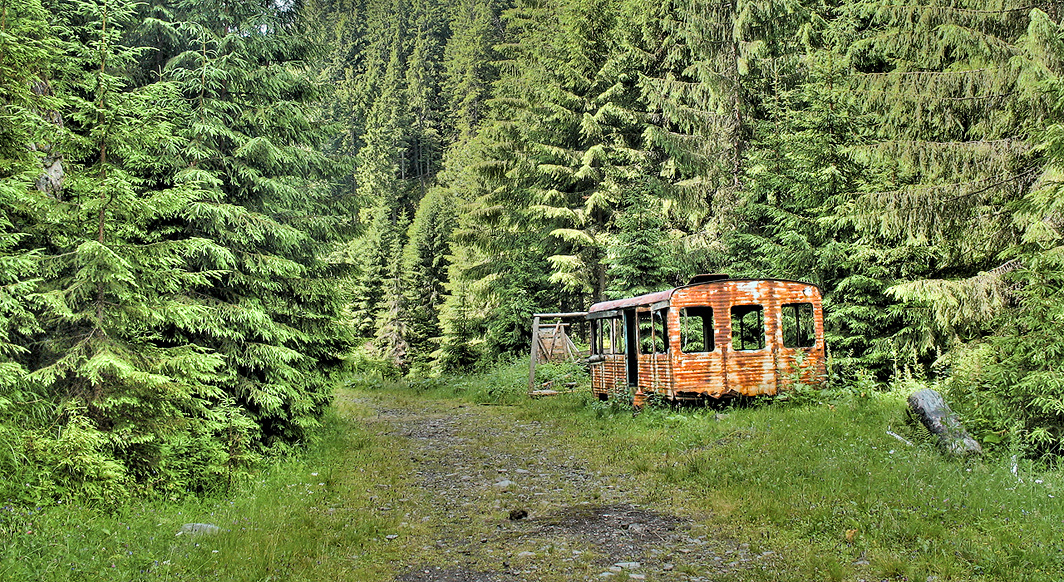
707,278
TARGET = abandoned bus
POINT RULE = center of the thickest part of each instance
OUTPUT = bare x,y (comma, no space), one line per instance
714,337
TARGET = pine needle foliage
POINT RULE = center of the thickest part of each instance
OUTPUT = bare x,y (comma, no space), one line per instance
166,316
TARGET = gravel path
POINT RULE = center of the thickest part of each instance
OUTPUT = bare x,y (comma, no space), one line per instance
506,499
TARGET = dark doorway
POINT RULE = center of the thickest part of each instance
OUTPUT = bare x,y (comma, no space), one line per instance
631,345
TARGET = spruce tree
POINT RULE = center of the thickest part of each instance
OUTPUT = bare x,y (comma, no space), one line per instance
251,151
116,277
30,171
425,265
954,108
637,253
468,72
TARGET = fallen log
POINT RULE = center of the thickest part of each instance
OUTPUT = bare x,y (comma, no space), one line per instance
935,414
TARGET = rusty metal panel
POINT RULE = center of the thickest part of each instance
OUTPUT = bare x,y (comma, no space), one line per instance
724,371
655,373
616,304
608,375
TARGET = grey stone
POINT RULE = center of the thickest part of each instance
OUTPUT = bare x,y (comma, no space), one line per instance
195,529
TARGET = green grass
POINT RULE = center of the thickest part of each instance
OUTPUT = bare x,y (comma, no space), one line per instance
309,518
831,479
819,483
822,483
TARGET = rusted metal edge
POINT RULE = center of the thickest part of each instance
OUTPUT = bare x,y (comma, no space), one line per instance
572,314
648,299
595,311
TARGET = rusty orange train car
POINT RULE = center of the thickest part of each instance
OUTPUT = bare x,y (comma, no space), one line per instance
715,337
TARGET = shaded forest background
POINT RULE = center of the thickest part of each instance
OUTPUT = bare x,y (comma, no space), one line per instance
207,207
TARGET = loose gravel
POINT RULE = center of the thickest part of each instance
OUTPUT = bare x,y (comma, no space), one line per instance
508,499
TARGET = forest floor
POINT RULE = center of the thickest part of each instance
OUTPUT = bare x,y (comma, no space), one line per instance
506,498
468,480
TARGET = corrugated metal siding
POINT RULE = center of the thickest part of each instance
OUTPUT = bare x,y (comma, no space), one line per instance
608,376
748,372
725,371
655,373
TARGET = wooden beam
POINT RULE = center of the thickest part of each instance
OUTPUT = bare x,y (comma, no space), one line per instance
535,355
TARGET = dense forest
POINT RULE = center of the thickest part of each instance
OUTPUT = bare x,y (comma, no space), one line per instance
207,207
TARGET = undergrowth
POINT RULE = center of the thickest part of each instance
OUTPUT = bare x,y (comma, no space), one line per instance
839,484
307,518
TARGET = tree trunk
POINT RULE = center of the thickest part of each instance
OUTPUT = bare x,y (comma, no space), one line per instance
936,415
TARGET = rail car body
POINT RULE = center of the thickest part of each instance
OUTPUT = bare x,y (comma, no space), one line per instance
713,338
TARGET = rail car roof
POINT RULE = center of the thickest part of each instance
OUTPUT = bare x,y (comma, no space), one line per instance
611,308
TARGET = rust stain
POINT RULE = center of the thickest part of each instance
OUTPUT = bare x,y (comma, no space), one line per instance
726,370
647,299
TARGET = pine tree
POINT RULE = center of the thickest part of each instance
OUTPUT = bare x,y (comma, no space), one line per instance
252,151
425,266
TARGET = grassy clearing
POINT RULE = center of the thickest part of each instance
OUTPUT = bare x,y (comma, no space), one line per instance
307,519
822,483
829,483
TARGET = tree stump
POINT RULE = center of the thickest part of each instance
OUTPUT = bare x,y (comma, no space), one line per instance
936,415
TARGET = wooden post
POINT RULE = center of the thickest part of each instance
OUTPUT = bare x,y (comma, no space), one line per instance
554,341
535,355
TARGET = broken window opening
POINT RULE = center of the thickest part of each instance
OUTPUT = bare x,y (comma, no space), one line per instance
610,336
653,337
748,327
696,330
798,325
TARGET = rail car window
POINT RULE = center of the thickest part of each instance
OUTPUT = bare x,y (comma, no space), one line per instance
652,330
798,325
603,343
696,330
661,331
611,336
748,327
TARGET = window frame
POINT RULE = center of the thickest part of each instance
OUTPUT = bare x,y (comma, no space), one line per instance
742,343
658,329
707,325
799,319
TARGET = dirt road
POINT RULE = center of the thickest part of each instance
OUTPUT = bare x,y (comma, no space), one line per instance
498,498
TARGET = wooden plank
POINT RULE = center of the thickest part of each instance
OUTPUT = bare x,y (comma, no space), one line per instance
572,314
554,341
535,355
